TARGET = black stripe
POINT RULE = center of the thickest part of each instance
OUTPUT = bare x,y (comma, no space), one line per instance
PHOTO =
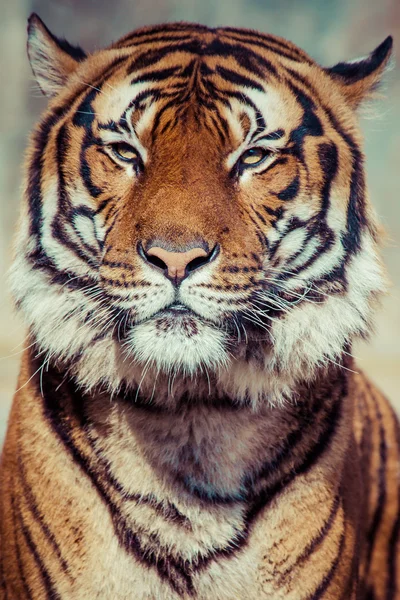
179,573
165,39
317,226
238,79
141,36
155,55
156,75
38,516
247,58
260,216
173,571
310,124
273,212
291,191
65,211
263,499
315,542
84,115
60,277
166,509
51,591
320,446
110,126
259,233
327,239
382,495
169,28
36,166
109,217
103,205
356,211
260,38
250,60
273,135
329,163
36,163
3,583
394,539
221,132
327,580
242,97
116,264
157,119
275,46
21,573
112,216
88,213
296,437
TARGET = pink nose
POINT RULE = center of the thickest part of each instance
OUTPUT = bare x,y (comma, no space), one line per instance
176,263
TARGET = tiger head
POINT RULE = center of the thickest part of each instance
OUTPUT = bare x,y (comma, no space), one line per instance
195,207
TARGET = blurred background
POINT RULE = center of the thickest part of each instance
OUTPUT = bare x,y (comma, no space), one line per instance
329,31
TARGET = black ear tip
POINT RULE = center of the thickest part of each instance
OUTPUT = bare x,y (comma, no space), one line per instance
384,48
33,19
388,41
33,22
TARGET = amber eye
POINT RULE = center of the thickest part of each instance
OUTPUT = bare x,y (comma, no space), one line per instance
253,157
125,152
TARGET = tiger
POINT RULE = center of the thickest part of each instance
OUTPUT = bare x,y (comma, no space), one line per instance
195,257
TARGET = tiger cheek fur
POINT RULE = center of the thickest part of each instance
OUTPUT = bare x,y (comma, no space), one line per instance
195,256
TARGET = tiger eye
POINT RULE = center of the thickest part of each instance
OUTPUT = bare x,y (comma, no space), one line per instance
253,156
125,152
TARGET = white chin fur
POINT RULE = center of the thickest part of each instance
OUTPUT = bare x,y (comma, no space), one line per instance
182,344
308,337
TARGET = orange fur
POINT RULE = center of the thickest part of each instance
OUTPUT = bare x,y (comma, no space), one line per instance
206,438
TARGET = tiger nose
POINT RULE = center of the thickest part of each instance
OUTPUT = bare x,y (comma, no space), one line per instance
177,265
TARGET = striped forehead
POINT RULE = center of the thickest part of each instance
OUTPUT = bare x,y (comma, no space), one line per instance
179,79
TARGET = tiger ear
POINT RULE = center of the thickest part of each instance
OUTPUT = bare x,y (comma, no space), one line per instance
52,59
360,78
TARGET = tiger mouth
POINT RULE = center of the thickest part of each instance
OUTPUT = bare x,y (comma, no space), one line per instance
178,309
180,316
175,311
176,316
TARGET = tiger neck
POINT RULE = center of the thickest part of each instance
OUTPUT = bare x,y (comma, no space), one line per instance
219,453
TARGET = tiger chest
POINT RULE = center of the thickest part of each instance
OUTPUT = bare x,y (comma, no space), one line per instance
150,553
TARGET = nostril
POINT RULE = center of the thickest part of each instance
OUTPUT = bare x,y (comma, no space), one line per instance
151,258
196,263
199,261
157,262
179,264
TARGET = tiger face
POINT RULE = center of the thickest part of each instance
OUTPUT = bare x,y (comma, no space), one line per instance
196,207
